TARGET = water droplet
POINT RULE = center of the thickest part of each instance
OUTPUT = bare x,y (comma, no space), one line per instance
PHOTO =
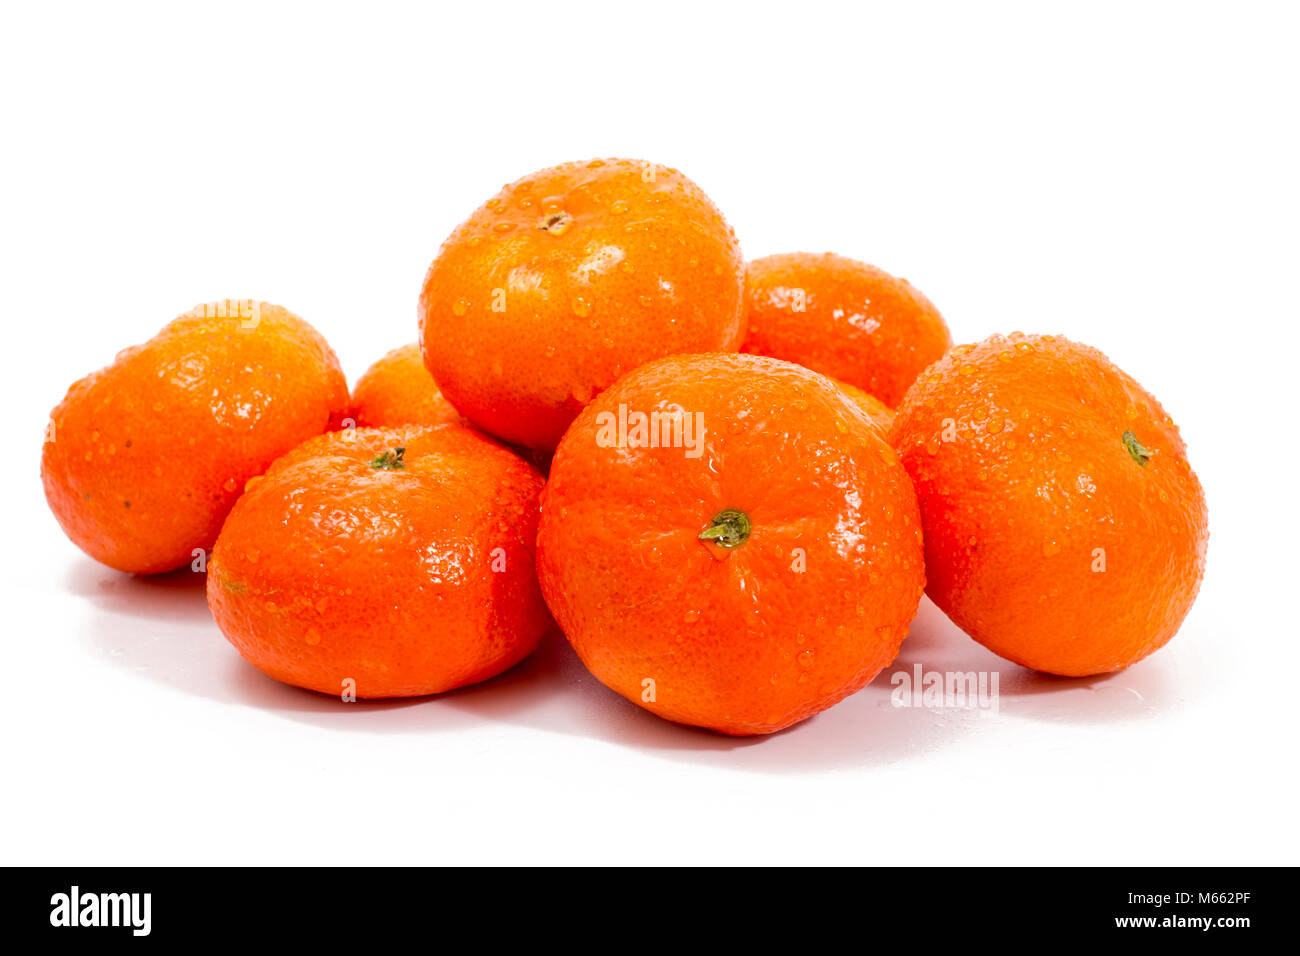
1050,548
619,207
460,307
581,307
503,227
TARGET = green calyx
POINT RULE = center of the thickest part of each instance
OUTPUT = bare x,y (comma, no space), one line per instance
1136,450
390,460
728,529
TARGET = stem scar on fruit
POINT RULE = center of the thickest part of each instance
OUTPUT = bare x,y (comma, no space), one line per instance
729,529
1140,454
390,460
557,224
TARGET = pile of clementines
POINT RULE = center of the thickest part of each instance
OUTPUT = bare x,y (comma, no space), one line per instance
729,484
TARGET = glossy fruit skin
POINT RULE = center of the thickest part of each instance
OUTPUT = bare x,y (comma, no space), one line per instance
568,278
752,639
408,580
843,318
878,411
398,390
1047,540
144,458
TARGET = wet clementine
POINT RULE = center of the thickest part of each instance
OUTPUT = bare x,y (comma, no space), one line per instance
1064,527
729,541
880,413
386,562
144,458
843,318
568,278
398,390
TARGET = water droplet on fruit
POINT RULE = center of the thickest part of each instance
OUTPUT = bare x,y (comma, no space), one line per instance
619,207
1050,548
581,307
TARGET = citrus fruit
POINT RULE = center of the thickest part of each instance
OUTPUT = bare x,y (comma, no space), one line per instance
843,318
144,458
566,279
1064,527
398,390
879,412
729,541
388,562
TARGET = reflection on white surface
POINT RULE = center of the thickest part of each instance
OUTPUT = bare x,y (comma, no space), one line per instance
160,629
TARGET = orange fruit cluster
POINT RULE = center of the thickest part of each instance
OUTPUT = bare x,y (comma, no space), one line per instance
758,471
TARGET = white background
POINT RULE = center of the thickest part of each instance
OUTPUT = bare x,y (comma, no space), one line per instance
1125,175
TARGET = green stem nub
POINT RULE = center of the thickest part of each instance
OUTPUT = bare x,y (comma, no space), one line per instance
1140,454
391,460
729,529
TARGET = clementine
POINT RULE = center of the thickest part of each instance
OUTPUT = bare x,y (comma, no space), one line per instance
1064,527
398,390
729,541
143,459
842,318
385,562
879,412
566,279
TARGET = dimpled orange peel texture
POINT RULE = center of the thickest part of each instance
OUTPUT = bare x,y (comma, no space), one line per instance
568,278
1064,527
144,458
398,390
843,318
389,562
746,576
